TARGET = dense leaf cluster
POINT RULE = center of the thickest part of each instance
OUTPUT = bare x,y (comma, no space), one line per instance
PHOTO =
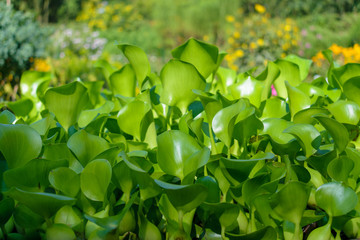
197,151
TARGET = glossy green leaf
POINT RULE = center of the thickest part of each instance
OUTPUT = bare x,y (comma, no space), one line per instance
321,233
44,204
106,67
274,108
67,102
288,72
184,197
7,206
227,77
212,188
87,116
345,112
351,89
21,107
297,99
179,154
268,76
123,82
7,117
19,144
32,82
86,146
344,73
303,64
95,179
265,233
94,91
60,232
337,131
224,121
123,178
308,137
202,55
69,216
147,230
33,175
65,180
336,198
305,116
178,80
339,169
291,201
249,88
138,60
131,121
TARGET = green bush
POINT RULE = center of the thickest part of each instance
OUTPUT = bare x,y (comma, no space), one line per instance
22,39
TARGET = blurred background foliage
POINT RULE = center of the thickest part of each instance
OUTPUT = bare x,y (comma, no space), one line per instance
69,37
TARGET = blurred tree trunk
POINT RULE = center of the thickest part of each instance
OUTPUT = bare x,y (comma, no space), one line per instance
8,2
37,8
46,11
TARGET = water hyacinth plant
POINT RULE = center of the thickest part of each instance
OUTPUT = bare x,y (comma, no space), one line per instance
197,151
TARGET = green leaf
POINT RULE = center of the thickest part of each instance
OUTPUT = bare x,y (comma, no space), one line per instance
32,82
44,204
308,136
274,108
179,154
346,72
26,218
303,64
224,121
212,188
267,233
21,107
60,231
298,100
291,201
69,216
123,82
249,88
288,72
345,112
351,88
95,179
184,197
178,80
106,68
65,180
67,102
138,60
87,116
202,55
19,144
147,230
86,146
339,169
7,117
321,233
338,132
305,116
336,198
7,206
33,175
268,76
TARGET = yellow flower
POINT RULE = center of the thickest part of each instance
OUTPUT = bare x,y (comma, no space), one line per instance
206,37
294,42
283,55
287,28
260,42
287,36
252,45
260,8
128,8
286,46
279,33
230,18
231,40
41,65
236,35
239,53
244,46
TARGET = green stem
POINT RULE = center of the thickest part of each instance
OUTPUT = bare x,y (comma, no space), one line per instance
286,160
253,224
4,232
181,216
229,153
48,222
298,232
223,232
213,145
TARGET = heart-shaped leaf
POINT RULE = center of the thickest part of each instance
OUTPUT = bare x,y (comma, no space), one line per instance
178,80
95,179
303,64
336,198
32,81
179,154
345,111
67,102
87,116
19,144
338,131
351,89
65,180
7,117
274,108
249,88
138,60
268,233
288,72
340,168
297,99
123,82
202,55
86,146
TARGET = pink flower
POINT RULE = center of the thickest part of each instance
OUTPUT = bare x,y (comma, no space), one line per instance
273,91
